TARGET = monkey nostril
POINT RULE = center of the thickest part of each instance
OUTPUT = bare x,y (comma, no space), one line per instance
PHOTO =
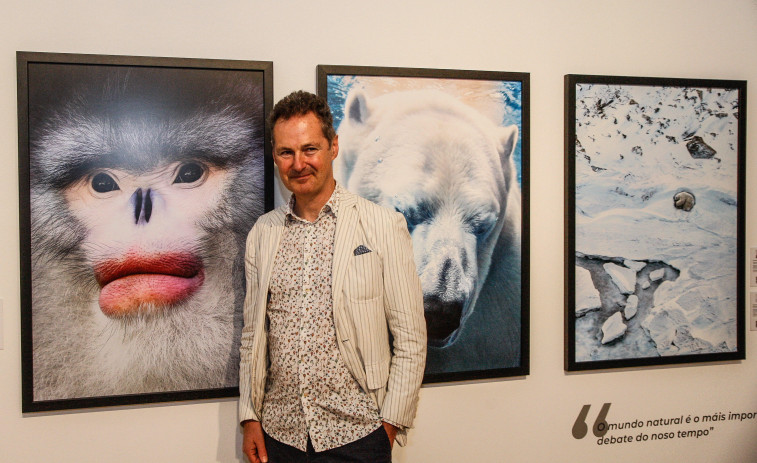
137,204
148,205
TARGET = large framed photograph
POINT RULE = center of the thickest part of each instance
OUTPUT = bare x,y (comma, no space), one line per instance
139,179
654,230
449,149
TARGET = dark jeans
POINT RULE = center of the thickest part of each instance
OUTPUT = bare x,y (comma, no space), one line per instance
373,448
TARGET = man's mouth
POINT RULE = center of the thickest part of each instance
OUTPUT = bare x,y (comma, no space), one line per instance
143,283
299,178
301,175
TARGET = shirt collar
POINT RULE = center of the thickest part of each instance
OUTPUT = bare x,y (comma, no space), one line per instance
331,206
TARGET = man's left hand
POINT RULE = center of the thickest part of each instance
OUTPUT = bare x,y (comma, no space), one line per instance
391,431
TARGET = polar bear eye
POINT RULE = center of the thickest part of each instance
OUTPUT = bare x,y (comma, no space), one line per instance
416,215
482,224
408,219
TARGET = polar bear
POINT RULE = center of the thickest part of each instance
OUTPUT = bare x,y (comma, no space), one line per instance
450,171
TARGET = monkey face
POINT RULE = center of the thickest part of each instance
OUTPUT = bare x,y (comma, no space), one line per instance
127,215
144,184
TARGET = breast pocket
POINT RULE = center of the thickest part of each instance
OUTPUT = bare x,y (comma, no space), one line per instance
364,279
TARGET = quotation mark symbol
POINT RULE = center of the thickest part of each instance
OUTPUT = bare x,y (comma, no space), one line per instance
580,428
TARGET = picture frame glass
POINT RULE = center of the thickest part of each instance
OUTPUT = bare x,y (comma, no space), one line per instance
449,150
655,229
139,180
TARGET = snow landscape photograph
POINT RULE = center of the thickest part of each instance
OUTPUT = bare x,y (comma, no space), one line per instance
654,234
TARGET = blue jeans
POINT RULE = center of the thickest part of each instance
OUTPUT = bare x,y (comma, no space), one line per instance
373,448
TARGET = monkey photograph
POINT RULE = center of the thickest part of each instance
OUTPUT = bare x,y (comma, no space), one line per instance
143,183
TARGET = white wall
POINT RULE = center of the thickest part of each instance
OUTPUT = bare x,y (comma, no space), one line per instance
517,420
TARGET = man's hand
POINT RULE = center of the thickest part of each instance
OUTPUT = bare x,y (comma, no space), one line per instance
391,431
252,443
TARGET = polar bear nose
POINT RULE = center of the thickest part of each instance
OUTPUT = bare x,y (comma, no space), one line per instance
448,273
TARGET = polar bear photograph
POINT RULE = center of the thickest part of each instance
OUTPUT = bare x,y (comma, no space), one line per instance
447,154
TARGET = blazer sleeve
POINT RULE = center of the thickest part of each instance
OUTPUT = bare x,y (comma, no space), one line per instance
403,307
246,349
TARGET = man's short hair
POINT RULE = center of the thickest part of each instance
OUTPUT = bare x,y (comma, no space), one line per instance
299,103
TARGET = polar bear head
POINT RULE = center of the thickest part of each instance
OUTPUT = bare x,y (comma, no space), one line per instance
449,171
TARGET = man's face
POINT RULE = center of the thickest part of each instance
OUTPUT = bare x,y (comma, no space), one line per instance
303,156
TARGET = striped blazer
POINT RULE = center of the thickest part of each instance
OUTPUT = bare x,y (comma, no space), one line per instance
377,299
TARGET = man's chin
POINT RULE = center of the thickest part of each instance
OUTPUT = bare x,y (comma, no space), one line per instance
300,190
297,185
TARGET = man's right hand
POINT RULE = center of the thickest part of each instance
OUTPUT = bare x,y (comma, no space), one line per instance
252,443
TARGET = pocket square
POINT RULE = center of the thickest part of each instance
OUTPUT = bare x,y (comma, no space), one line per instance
361,250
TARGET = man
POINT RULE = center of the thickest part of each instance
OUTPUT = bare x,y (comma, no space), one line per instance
334,339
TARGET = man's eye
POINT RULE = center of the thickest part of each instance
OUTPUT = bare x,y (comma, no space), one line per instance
104,183
190,172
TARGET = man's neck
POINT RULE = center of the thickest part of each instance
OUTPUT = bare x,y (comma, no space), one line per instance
308,208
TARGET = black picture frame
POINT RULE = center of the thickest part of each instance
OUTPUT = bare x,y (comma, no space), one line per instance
485,332
99,126
654,221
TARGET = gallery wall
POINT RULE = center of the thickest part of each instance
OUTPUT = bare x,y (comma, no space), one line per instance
522,419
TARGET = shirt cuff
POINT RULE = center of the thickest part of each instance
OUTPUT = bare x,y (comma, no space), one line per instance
398,426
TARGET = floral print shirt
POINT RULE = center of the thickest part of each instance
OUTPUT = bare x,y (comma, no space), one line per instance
309,390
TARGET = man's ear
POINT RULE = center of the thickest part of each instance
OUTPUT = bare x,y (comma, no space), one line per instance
335,147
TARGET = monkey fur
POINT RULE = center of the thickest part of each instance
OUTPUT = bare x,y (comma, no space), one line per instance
135,128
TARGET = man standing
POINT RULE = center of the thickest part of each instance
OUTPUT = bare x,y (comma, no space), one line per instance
334,339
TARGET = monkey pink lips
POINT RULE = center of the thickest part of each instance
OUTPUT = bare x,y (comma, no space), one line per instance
139,282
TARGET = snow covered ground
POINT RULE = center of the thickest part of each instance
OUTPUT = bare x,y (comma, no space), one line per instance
656,183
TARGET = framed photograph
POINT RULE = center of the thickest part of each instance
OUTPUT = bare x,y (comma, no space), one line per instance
139,179
449,149
654,229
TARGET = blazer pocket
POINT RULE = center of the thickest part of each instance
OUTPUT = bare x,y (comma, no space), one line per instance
364,279
377,375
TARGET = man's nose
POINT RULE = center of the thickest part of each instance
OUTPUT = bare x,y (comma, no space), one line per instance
298,163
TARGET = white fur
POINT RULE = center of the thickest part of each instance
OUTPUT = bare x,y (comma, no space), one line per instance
450,170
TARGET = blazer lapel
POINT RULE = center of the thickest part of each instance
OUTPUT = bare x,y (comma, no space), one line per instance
271,247
346,225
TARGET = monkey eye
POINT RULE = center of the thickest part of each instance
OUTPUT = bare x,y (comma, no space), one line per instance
189,172
104,183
